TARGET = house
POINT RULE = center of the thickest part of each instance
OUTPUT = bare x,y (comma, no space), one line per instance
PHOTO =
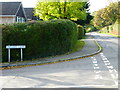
30,14
12,12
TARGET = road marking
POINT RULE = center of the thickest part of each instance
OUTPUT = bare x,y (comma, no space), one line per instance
95,64
101,53
108,63
94,61
110,67
104,59
96,67
92,57
111,70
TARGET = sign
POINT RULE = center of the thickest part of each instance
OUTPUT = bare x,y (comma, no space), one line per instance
14,47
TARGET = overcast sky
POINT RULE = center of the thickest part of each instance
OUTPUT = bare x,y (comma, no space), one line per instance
94,4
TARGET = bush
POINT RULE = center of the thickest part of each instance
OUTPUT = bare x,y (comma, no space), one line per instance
42,39
90,28
104,30
81,32
111,29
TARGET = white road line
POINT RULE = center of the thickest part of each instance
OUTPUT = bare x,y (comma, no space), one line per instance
95,64
94,61
111,70
92,57
104,59
108,63
101,53
96,67
110,67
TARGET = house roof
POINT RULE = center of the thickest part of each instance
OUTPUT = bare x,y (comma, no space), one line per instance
30,13
9,8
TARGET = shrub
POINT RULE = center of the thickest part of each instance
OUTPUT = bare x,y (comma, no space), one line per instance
42,39
105,30
90,28
111,29
81,32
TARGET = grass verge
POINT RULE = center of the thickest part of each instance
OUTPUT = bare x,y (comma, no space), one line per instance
80,44
112,34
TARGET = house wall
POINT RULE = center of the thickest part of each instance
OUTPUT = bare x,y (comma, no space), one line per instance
7,20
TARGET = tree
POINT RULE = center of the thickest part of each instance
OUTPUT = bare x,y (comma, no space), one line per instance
61,10
89,17
106,16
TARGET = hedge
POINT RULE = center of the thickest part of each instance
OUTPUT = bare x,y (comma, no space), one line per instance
81,32
42,39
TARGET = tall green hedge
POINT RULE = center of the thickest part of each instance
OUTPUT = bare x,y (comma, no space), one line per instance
42,39
81,32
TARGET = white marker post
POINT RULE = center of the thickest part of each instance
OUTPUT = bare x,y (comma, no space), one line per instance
14,47
8,54
21,55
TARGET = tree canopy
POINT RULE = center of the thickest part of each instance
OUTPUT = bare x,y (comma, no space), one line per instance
107,15
61,10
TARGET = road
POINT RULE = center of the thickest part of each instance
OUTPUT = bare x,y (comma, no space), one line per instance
99,71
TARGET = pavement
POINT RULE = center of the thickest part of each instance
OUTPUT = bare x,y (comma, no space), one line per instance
89,49
98,71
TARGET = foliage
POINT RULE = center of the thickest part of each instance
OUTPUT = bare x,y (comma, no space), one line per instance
42,39
106,16
89,17
113,29
61,10
81,32
90,28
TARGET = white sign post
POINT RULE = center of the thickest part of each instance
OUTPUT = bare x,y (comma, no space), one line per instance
14,47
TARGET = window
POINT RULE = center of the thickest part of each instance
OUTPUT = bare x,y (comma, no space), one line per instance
20,19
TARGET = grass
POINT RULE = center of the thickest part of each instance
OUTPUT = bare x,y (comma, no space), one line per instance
80,44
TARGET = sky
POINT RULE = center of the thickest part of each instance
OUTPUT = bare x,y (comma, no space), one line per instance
94,4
